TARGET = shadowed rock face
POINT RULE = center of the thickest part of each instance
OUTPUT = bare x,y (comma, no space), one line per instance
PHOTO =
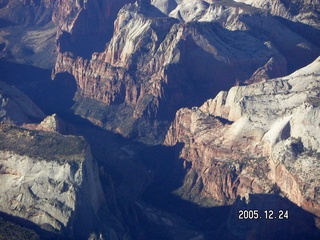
277,218
16,107
153,64
253,138
85,26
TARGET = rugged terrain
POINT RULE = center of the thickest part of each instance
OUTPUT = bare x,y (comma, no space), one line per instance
53,181
254,139
159,119
154,63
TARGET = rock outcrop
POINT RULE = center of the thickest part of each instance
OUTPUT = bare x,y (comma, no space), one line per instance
260,138
155,64
52,123
53,181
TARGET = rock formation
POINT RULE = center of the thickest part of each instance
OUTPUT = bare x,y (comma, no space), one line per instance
305,11
52,123
155,64
138,68
254,139
52,181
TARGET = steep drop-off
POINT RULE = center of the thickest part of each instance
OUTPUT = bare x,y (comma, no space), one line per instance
253,139
155,64
53,181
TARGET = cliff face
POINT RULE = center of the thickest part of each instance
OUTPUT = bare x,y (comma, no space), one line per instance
254,139
155,64
51,180
85,26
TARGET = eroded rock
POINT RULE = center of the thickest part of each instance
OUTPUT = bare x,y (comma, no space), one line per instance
254,137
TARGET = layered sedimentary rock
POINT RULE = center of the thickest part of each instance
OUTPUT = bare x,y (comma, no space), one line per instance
155,64
52,181
260,138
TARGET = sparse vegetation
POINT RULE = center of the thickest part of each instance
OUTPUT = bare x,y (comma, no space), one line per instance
45,145
11,231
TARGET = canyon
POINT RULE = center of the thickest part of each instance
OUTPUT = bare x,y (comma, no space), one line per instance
154,64
131,119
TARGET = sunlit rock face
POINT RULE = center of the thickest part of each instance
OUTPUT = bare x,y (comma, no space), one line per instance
53,181
157,62
260,138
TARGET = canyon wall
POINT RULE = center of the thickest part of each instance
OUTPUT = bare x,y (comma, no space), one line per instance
155,64
53,181
254,139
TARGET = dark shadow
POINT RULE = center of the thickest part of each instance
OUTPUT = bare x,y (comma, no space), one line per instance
83,45
2,46
308,32
267,28
52,96
150,11
223,120
42,233
277,218
169,176
4,23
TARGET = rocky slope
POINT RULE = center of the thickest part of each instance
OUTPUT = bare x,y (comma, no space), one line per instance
260,138
52,180
27,34
154,64
135,65
305,11
26,12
